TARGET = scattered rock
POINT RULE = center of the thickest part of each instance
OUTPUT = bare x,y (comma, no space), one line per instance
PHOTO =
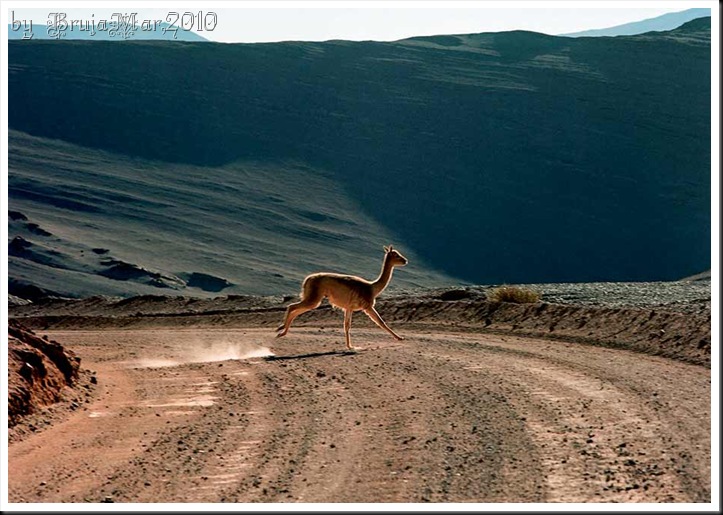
16,215
206,282
36,229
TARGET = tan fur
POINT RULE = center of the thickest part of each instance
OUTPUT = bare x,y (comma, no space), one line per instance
347,292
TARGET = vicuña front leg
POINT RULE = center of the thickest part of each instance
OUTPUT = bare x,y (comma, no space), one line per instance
372,313
347,326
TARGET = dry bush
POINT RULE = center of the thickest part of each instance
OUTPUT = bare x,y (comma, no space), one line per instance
513,294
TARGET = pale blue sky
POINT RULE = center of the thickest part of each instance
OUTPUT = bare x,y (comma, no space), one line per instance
377,23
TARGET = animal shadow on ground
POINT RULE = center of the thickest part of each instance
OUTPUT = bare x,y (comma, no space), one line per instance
312,355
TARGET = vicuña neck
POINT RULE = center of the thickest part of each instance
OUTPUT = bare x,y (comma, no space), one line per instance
384,277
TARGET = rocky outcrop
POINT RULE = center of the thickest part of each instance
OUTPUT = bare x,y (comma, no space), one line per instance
38,371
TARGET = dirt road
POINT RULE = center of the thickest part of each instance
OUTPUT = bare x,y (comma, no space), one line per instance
234,415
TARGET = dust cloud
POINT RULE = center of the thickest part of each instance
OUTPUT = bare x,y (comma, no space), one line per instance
202,352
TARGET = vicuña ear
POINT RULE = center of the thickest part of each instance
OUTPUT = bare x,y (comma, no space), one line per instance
386,249
390,247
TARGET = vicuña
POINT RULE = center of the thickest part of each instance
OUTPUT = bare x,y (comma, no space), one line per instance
348,292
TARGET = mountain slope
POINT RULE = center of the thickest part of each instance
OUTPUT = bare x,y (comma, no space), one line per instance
664,22
506,157
86,222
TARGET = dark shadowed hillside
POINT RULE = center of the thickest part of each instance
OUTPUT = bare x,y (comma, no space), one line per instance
89,222
505,157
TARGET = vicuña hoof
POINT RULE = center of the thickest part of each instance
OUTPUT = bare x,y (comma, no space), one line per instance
400,338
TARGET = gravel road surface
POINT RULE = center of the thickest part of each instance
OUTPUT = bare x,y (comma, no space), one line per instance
233,415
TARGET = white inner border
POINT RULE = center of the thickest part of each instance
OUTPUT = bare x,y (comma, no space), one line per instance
6,6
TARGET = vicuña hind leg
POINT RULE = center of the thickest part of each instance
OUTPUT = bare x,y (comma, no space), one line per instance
372,313
293,311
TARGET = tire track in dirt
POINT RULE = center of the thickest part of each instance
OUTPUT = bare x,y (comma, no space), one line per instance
324,431
315,445
601,439
176,460
440,417
405,436
456,442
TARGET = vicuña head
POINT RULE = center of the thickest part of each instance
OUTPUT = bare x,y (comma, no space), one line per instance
394,256
348,292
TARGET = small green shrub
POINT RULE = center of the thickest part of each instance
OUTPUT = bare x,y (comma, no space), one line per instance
514,294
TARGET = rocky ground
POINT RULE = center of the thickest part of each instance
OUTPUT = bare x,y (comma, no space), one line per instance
196,401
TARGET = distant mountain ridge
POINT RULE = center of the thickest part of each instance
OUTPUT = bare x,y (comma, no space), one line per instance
665,22
163,31
488,158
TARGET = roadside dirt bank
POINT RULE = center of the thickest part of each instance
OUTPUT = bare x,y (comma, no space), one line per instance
684,336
